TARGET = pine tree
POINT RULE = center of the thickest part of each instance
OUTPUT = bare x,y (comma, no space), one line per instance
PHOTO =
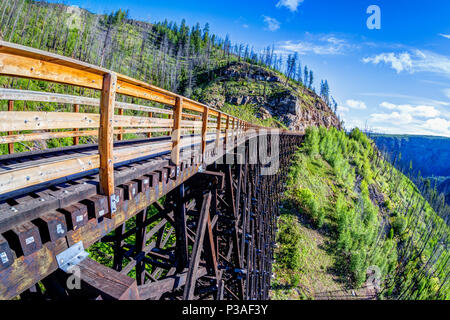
305,76
311,79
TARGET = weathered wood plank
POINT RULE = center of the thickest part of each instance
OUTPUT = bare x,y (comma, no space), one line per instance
110,283
105,135
176,133
17,60
65,134
26,67
204,130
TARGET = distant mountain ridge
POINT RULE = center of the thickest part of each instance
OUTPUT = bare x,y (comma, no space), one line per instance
429,154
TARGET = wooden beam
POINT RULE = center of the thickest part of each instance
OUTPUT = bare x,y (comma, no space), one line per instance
111,284
25,62
181,247
154,290
34,68
210,250
106,136
191,279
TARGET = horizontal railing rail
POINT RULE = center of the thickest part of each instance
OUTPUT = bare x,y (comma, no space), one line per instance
103,117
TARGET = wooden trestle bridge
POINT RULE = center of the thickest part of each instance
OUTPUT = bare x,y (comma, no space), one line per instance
211,232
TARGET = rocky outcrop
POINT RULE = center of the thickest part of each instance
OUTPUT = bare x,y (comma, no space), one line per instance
295,106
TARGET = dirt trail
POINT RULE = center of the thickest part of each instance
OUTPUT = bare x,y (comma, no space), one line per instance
318,277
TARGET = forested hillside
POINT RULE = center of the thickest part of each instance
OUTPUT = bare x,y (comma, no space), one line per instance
173,56
371,222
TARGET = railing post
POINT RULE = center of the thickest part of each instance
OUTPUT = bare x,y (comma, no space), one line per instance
106,138
234,131
227,127
76,139
204,130
10,108
176,130
149,134
219,120
120,135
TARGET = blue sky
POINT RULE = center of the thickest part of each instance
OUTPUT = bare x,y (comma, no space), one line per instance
393,80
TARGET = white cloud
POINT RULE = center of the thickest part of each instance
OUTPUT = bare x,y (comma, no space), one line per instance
415,111
292,5
316,44
394,117
438,125
272,23
416,61
355,104
350,104
445,35
408,119
398,62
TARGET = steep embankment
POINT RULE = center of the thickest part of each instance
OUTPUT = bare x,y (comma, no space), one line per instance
367,222
241,86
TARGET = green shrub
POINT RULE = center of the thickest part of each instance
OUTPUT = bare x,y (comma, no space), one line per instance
288,253
309,202
399,225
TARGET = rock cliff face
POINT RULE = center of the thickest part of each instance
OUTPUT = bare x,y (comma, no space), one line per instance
242,84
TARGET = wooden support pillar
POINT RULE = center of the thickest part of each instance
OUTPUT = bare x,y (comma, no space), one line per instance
191,278
117,246
176,131
120,135
106,135
140,244
181,247
10,108
204,130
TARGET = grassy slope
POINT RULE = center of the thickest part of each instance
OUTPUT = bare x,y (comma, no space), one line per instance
362,216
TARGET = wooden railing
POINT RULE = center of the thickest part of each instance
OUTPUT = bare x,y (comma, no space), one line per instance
181,116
